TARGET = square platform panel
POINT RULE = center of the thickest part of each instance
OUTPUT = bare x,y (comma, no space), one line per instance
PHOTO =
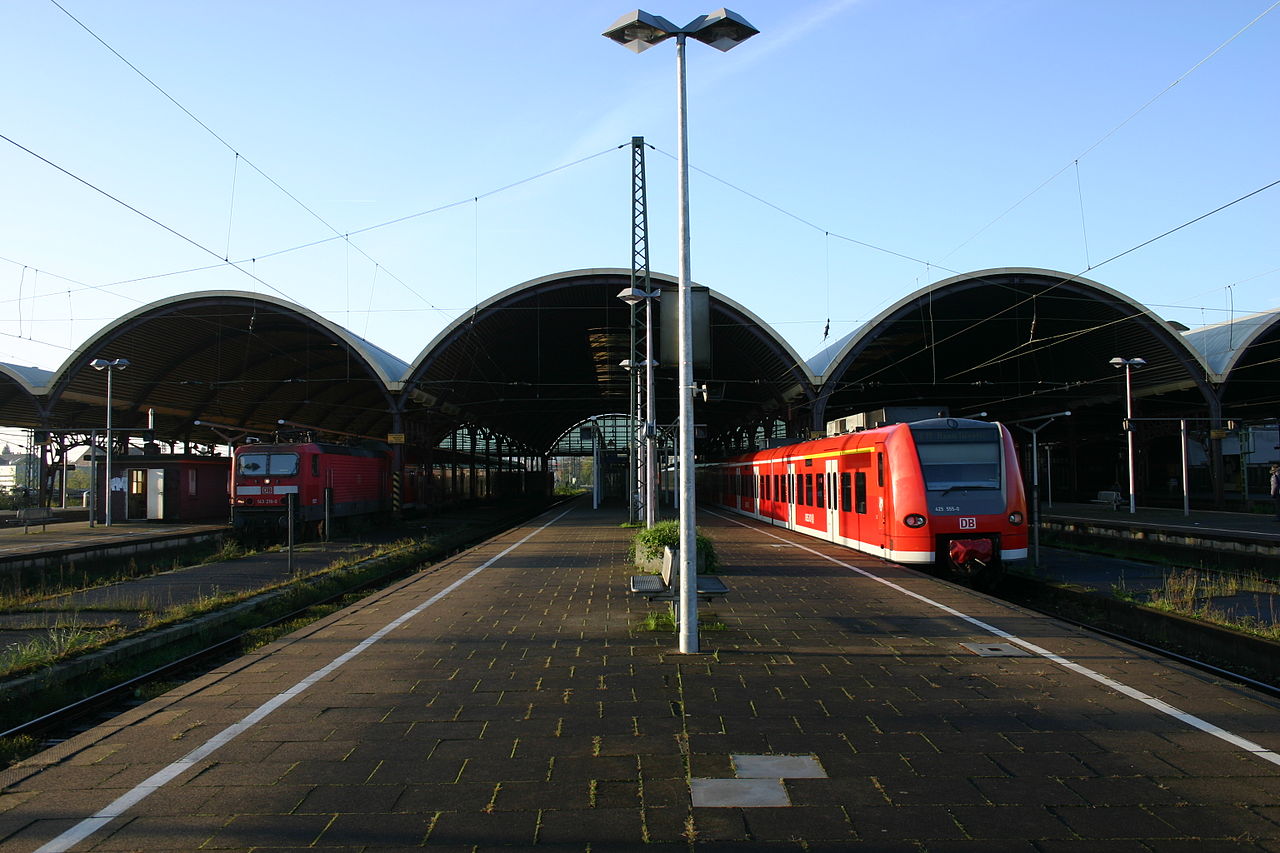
777,767
738,793
996,650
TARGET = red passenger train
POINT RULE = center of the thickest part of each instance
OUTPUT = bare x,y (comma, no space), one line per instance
324,483
944,491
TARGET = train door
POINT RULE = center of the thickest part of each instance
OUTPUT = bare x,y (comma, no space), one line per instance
757,477
878,505
831,476
789,493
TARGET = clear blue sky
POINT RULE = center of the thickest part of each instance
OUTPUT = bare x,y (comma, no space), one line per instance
962,135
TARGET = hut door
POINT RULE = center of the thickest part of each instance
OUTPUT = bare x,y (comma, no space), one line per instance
145,498
155,494
136,496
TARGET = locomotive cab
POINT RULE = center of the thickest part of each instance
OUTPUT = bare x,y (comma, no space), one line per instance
975,511
321,484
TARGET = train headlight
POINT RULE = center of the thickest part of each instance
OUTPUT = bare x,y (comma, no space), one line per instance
915,519
1015,518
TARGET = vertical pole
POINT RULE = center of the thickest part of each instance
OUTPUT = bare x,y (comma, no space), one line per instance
1128,400
596,474
650,423
288,502
633,439
684,390
93,479
107,517
1048,473
328,511
1186,470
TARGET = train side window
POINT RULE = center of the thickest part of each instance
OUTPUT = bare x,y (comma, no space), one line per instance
820,491
808,490
846,492
860,491
879,469
315,465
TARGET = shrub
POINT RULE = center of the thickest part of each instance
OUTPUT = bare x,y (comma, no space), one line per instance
649,544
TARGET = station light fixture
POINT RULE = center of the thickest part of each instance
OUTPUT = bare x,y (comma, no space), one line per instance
723,30
111,367
1129,364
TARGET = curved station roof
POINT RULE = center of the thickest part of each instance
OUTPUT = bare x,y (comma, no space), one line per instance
531,362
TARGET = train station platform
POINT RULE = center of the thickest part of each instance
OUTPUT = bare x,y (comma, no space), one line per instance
510,698
1207,524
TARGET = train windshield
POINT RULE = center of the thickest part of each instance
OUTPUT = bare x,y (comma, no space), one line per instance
268,464
965,458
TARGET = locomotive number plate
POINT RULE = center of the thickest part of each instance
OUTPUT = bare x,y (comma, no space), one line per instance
946,509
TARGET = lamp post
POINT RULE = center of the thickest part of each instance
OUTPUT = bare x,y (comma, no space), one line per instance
110,367
722,30
1042,421
1128,364
649,498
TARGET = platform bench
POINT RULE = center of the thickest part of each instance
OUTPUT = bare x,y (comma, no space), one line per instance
666,586
31,515
1112,498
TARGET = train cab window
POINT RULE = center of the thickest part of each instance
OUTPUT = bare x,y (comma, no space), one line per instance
846,492
860,492
267,464
819,489
965,458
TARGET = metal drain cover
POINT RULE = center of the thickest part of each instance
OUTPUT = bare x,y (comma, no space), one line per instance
996,650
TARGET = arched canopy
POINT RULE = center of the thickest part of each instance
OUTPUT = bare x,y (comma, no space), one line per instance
1012,343
547,354
1244,353
232,359
20,391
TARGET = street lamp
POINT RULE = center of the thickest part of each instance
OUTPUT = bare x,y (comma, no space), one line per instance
632,296
111,367
1128,364
722,30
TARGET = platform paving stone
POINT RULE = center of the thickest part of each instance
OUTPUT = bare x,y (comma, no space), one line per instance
526,709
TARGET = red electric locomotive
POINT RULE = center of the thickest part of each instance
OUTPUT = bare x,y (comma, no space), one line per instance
322,482
944,491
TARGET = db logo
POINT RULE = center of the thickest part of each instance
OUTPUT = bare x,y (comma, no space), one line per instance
968,524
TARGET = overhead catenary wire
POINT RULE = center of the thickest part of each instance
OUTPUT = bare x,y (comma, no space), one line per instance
322,241
1113,131
239,157
145,216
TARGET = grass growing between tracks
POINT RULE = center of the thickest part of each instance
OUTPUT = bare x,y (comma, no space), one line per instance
299,602
71,640
33,587
1244,602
